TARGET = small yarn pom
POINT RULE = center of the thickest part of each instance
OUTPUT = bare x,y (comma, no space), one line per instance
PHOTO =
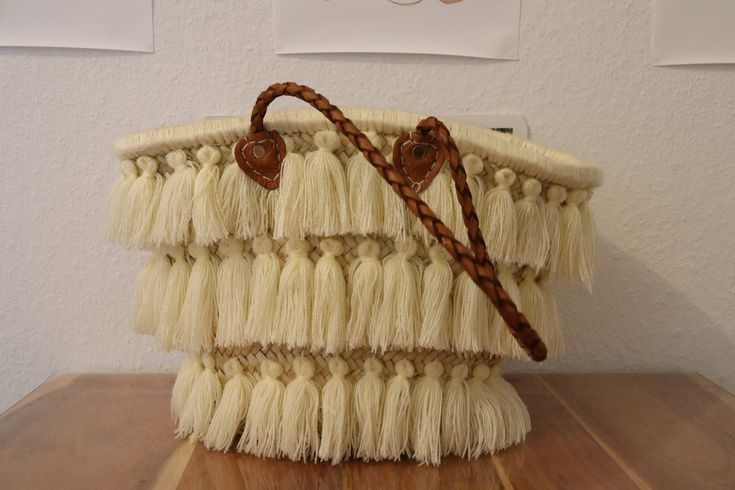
300,421
242,202
325,189
201,403
206,214
329,316
514,421
290,216
149,291
174,212
262,432
533,239
337,414
233,293
266,270
141,204
474,167
173,298
396,216
552,214
426,410
470,316
295,294
498,217
400,313
116,204
195,328
369,391
455,430
441,197
365,279
436,301
188,373
502,341
485,422
394,430
364,185
230,412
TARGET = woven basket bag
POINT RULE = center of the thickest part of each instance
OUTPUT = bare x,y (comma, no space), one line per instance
349,293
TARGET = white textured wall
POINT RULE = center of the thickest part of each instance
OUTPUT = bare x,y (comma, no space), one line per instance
664,136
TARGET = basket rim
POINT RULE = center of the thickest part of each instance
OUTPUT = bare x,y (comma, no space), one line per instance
521,155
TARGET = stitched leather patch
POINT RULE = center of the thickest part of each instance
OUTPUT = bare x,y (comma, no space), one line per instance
259,156
419,157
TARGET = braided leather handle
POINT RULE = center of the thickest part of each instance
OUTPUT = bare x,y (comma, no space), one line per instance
477,263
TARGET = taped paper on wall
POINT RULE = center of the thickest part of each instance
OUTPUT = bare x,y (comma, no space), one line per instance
476,28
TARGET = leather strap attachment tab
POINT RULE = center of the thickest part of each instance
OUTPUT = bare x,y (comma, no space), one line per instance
259,155
419,157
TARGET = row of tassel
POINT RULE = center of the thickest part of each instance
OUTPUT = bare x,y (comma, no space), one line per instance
396,303
320,196
460,413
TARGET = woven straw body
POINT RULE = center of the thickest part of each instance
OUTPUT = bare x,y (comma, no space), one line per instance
322,320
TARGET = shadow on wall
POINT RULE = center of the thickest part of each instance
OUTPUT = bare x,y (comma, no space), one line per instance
634,320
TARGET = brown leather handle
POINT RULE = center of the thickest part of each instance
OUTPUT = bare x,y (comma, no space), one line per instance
476,263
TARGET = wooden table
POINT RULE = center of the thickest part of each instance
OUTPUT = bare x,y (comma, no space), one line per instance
614,431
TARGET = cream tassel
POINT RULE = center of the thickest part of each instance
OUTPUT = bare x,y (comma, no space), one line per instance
366,293
533,305
513,413
141,204
195,328
365,183
396,415
570,256
116,206
173,298
206,214
337,415
188,373
368,409
295,294
436,301
329,318
233,293
174,212
242,202
498,217
325,188
426,412
262,432
533,237
440,196
474,167
230,412
150,289
300,421
486,425
555,338
471,316
200,405
263,292
589,242
552,212
502,340
290,215
456,413
400,313
396,215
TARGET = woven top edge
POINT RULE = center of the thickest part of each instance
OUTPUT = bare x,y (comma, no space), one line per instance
518,154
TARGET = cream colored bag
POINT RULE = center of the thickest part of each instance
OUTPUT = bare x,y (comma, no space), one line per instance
328,309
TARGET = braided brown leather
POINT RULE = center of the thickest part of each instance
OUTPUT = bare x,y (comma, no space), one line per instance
476,263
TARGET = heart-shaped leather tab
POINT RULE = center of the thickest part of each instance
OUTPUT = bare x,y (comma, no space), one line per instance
260,155
419,157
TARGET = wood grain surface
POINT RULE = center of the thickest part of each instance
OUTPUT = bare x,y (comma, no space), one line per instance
615,431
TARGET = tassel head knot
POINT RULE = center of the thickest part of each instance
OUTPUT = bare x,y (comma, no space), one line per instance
481,372
459,372
531,189
297,246
496,370
208,155
472,164
233,367
148,165
437,253
128,168
178,253
176,159
338,367
303,367
289,143
406,246
376,139
231,247
434,369
576,197
208,362
271,369
368,248
199,251
373,366
331,246
528,274
327,140
556,195
405,369
505,177
262,245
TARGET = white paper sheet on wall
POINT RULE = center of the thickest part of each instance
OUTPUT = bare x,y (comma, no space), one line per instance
477,28
125,25
694,32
